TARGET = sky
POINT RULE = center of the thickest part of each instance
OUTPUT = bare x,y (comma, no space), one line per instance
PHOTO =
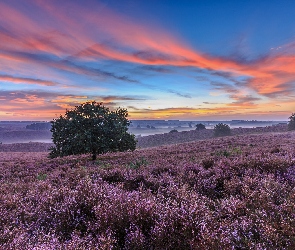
159,59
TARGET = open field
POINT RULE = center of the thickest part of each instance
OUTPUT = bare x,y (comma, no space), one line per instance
234,192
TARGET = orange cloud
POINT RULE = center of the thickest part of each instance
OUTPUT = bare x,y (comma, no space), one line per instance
244,110
149,46
83,33
140,44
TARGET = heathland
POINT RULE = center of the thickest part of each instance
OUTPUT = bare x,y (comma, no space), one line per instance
233,192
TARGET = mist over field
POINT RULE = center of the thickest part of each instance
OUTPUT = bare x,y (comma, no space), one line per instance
25,131
16,132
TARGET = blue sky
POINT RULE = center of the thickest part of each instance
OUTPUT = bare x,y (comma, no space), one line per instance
188,60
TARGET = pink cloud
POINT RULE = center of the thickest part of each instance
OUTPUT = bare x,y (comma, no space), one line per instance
25,80
85,33
157,47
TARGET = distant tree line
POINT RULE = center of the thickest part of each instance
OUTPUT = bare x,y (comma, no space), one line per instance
39,126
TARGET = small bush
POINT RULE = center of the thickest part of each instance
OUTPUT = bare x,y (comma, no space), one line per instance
41,177
221,129
224,153
231,151
208,163
138,163
173,131
275,150
200,126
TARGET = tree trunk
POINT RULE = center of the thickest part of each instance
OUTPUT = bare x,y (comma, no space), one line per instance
93,154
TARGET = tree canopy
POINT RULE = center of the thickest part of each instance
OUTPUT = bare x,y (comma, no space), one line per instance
91,128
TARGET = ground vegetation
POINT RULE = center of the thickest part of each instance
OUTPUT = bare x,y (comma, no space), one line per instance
233,192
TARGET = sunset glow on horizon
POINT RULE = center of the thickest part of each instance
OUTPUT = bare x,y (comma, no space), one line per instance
187,60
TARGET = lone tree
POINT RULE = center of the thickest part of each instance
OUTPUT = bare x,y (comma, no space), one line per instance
291,124
200,126
221,129
91,128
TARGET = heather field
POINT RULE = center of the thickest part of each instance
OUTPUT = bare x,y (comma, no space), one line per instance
194,135
235,192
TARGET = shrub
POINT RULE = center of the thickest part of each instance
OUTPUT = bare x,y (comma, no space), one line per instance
224,153
200,126
221,129
291,124
173,131
91,128
41,177
137,164
208,163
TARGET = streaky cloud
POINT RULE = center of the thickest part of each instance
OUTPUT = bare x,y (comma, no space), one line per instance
81,40
157,69
26,80
179,94
134,43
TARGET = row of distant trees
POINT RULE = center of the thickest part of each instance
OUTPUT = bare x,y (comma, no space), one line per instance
39,126
93,128
220,129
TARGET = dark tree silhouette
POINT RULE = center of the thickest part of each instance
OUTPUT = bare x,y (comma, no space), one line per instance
221,129
200,126
91,128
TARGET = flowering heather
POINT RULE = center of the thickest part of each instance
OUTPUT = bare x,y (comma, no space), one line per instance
233,192
26,147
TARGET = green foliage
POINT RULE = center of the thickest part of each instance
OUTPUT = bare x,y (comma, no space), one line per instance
224,153
91,128
200,126
173,131
102,164
41,177
221,129
236,150
291,124
138,163
231,151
